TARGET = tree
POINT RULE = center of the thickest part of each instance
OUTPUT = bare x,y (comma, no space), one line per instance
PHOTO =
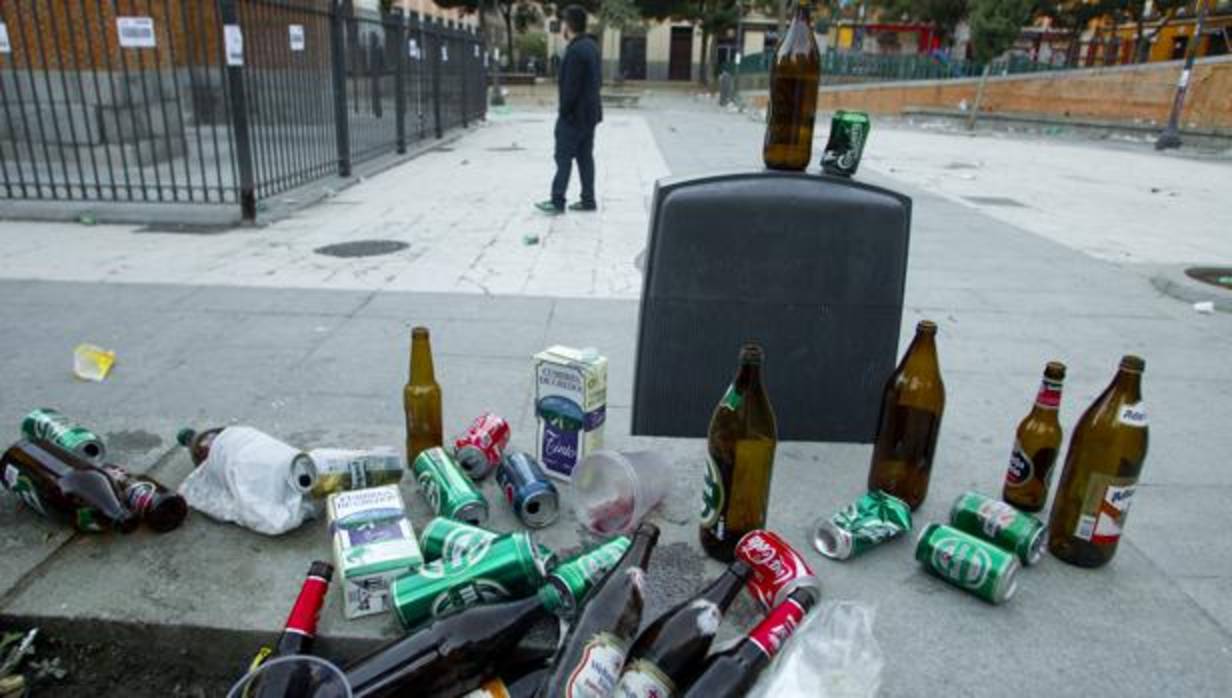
713,17
995,25
508,10
1072,17
944,15
1136,11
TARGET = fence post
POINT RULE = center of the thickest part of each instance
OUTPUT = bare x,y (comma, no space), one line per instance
240,129
439,30
400,79
342,132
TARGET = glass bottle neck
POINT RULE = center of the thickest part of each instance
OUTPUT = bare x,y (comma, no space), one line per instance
749,376
421,361
1049,397
1128,383
725,589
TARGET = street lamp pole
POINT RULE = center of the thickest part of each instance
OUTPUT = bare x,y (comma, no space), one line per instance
1171,136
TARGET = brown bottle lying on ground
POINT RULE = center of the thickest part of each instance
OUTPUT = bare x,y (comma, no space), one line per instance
1105,459
61,485
1035,446
421,399
198,444
910,423
794,79
740,460
159,508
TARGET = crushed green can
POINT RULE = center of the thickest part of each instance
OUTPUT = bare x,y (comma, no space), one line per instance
968,562
998,522
872,519
46,424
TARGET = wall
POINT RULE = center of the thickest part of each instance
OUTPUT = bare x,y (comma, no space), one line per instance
1125,93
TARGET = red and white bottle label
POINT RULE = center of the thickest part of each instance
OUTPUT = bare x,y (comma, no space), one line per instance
1049,396
598,669
771,633
1105,509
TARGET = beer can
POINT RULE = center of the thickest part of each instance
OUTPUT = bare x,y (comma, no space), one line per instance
572,579
508,566
303,475
449,540
968,562
848,134
778,568
1000,523
479,450
46,424
340,469
530,493
448,490
872,519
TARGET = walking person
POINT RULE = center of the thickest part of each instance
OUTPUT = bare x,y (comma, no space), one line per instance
579,113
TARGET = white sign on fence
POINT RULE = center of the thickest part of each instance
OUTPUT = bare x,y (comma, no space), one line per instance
296,31
5,46
233,40
444,53
476,50
413,49
136,32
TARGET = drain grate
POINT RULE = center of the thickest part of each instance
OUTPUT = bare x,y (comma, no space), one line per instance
995,201
1215,276
362,248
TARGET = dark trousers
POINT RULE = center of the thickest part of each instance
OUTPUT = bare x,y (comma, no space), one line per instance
574,143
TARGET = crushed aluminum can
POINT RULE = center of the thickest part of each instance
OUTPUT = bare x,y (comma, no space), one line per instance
778,568
872,519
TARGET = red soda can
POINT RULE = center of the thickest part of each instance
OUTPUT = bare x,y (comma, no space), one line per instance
481,448
778,569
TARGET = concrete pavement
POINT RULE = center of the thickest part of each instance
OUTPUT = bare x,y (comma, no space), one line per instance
318,356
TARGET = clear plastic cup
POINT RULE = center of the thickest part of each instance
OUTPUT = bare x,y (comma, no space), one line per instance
614,490
312,677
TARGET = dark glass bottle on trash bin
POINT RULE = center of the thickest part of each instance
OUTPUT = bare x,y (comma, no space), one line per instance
911,409
740,460
421,399
298,636
1036,444
794,78
62,486
1105,459
732,673
198,443
590,660
669,653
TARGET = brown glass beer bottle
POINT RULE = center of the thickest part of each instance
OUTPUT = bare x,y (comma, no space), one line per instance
1101,472
1035,446
63,486
794,78
911,410
421,399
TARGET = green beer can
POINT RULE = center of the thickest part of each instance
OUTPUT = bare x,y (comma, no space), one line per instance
1000,523
46,424
448,490
506,567
968,562
848,134
575,577
872,519
449,540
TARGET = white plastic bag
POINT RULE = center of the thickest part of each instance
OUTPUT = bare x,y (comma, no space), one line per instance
246,480
833,654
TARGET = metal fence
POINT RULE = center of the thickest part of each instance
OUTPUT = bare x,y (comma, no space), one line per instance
218,101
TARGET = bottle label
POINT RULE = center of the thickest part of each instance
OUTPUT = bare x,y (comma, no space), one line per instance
138,496
87,520
493,688
1133,415
644,680
713,497
732,399
1049,396
21,486
1105,508
771,633
598,669
1021,468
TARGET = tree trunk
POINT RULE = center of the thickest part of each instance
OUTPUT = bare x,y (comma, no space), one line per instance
507,12
704,74
1140,43
979,97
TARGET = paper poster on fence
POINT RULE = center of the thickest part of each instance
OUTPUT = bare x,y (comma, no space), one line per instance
296,32
136,32
5,46
233,40
413,49
444,53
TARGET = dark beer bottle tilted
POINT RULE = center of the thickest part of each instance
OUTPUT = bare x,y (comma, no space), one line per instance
669,653
61,485
451,655
732,673
298,635
159,508
794,79
1035,446
743,435
911,409
1105,459
421,399
593,654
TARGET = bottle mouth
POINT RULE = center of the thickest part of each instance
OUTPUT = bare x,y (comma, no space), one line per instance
751,353
926,327
419,332
1055,370
1130,362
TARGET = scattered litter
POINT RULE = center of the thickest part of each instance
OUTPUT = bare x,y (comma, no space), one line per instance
1204,307
48,668
13,648
963,106
1155,190
530,240
92,363
87,219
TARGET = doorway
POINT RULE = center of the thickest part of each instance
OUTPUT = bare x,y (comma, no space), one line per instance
680,65
633,57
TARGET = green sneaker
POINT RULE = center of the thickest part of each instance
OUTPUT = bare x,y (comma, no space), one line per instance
583,206
549,208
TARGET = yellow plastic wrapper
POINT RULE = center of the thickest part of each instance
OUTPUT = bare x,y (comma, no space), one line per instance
92,363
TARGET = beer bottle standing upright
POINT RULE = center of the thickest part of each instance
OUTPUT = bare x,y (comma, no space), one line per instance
1105,458
61,485
794,79
1035,446
911,409
589,661
740,462
421,399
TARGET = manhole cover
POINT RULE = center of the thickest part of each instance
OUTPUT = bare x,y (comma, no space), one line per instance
362,248
994,201
1215,276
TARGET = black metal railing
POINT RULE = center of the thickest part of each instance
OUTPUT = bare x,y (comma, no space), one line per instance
148,101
